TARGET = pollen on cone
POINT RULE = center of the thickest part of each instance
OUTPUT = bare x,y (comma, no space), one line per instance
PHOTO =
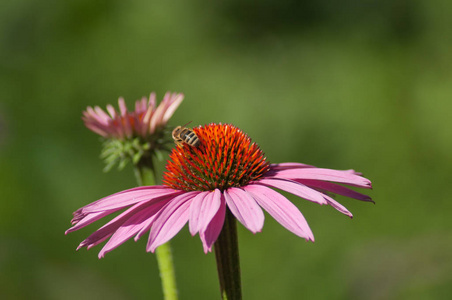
225,158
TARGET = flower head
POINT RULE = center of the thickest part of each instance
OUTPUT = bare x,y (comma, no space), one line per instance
131,134
226,171
145,120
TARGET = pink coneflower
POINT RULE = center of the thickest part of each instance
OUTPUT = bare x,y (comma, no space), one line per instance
133,135
226,171
145,120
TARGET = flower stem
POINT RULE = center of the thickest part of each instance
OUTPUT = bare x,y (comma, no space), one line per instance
145,175
228,262
166,267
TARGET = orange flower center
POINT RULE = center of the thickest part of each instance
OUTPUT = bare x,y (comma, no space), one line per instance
225,158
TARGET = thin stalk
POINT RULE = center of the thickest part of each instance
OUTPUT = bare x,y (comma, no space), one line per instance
145,175
228,261
166,267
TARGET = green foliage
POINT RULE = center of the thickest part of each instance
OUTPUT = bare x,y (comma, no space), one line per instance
120,152
363,84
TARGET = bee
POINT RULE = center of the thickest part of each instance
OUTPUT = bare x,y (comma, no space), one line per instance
183,135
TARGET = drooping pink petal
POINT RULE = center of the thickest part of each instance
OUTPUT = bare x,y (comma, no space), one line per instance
289,165
335,188
203,209
88,219
146,227
170,220
99,241
131,226
210,235
211,211
281,209
109,228
295,188
245,209
127,198
147,224
324,175
195,212
339,207
352,171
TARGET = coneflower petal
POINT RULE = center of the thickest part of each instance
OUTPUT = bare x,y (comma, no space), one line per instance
335,188
281,209
336,205
295,188
128,197
176,101
170,220
289,165
346,177
132,226
211,233
245,209
203,209
88,219
195,211
108,229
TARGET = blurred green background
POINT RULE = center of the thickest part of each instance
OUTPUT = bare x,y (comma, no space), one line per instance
356,84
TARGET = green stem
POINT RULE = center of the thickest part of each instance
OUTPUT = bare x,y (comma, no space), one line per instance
228,262
145,175
166,267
